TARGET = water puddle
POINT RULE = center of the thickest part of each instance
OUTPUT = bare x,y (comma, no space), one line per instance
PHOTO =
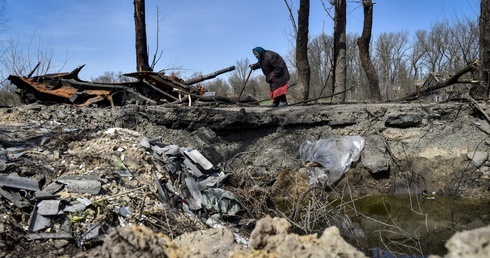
415,225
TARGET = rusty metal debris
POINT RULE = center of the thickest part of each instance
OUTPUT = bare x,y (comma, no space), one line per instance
147,88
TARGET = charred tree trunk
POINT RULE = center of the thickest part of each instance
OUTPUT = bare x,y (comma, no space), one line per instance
142,63
340,50
363,44
302,63
485,45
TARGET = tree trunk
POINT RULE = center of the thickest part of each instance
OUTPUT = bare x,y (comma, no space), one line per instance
363,44
142,63
340,50
485,45
302,63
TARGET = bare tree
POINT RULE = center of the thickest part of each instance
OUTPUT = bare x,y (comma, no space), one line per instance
142,63
363,43
356,78
446,48
392,59
219,86
340,48
321,62
157,55
416,56
21,57
112,77
239,75
485,44
303,70
302,63
463,42
3,15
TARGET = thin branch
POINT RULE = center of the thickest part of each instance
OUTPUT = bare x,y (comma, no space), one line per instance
155,58
291,17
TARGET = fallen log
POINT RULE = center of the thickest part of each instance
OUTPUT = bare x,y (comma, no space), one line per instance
474,105
452,80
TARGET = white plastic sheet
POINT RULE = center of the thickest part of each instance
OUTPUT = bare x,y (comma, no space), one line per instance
327,160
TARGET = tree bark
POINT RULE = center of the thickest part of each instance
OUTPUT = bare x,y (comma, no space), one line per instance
485,45
142,63
363,44
340,50
302,63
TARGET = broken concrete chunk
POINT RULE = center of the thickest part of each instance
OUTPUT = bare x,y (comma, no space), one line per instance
123,211
49,207
375,157
404,121
79,205
59,235
19,182
38,221
145,143
99,230
171,150
342,122
75,207
92,232
53,188
42,195
477,157
16,156
16,149
15,198
81,185
84,201
3,165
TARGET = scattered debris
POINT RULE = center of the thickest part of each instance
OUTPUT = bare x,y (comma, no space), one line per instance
146,88
86,206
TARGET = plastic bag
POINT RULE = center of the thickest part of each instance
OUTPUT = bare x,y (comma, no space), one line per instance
327,160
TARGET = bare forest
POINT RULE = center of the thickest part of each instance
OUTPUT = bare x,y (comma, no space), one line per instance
402,61
153,166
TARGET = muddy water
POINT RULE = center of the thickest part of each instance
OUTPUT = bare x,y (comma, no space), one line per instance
416,225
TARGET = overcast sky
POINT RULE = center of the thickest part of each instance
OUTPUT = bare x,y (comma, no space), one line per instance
198,35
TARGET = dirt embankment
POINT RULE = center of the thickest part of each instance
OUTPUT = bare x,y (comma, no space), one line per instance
435,147
439,149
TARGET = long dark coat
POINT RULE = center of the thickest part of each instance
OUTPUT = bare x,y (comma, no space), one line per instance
274,68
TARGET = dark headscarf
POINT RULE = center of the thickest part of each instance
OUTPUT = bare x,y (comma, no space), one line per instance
260,51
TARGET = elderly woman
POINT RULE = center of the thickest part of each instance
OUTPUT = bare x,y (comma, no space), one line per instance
276,74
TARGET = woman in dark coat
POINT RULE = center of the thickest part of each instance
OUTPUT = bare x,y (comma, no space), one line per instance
276,74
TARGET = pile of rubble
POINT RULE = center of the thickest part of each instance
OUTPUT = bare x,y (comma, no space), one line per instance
54,187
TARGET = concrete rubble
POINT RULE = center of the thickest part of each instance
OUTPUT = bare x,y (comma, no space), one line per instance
79,179
69,206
